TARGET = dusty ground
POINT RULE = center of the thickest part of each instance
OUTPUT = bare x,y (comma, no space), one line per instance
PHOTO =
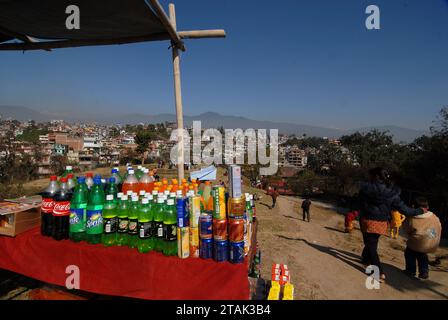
324,261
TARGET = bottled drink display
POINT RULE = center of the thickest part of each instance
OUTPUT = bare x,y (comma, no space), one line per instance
68,170
167,216
94,216
110,222
78,208
61,212
47,205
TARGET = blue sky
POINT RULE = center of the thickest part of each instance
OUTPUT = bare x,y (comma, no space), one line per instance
301,61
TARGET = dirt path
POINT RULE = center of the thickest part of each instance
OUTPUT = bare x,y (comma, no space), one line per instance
324,261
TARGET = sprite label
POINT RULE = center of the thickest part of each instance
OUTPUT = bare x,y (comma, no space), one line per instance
77,220
94,222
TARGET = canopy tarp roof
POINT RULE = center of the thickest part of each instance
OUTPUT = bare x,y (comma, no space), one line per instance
99,19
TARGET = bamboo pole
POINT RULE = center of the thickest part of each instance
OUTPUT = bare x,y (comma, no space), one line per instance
168,24
178,99
58,44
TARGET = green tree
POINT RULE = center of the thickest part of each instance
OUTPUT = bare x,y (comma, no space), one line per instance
142,139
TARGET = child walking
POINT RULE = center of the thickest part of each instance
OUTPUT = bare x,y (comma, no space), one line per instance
423,237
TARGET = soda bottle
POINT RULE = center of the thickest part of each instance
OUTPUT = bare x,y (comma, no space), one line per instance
61,212
170,229
141,194
95,204
116,175
146,182
110,220
89,179
159,213
117,199
131,183
78,207
111,187
71,183
46,226
68,170
123,221
145,227
133,223
248,208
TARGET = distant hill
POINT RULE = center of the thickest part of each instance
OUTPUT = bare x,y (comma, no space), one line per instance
209,120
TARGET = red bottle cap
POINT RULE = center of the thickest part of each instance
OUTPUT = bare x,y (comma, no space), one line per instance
89,174
70,176
63,180
53,178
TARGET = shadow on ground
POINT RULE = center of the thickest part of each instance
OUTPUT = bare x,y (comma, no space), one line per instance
395,277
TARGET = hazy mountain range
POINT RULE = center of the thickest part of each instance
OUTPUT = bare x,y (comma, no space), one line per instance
208,119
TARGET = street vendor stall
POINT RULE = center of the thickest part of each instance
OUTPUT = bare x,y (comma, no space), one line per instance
120,271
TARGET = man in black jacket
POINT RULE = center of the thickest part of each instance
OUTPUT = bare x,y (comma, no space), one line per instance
306,204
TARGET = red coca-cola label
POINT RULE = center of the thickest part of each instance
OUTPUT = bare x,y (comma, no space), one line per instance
61,208
47,205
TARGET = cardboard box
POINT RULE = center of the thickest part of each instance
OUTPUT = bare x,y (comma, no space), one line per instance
20,219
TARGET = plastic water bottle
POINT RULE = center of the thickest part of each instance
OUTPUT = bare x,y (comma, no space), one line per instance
94,224
78,206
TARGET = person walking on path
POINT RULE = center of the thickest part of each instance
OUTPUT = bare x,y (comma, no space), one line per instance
377,199
423,238
274,194
306,204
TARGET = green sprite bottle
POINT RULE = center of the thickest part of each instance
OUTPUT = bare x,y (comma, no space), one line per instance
94,224
110,222
123,221
133,223
159,213
170,229
145,227
78,207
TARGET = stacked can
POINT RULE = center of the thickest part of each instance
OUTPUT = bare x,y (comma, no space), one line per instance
194,205
220,246
237,226
206,235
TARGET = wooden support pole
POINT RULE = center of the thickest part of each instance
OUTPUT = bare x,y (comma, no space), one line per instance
178,99
168,24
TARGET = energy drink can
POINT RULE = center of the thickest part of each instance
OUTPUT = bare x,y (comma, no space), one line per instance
237,207
206,249
236,252
183,242
220,229
221,251
236,230
219,202
206,226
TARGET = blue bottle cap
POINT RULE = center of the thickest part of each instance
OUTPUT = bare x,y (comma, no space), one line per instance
112,180
81,179
114,171
97,180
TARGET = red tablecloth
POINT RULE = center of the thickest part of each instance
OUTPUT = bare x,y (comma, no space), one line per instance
121,271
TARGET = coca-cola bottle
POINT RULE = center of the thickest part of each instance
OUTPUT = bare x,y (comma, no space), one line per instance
46,226
61,212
